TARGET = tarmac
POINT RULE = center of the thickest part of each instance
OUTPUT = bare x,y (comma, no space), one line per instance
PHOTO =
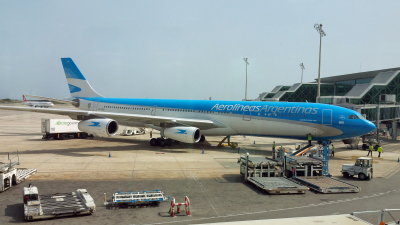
217,191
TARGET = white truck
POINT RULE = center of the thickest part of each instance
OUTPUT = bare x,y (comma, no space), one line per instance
38,207
10,175
362,168
60,129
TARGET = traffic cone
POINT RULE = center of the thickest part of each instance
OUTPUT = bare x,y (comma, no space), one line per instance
109,154
202,151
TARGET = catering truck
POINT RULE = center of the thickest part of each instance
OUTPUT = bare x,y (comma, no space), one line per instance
60,129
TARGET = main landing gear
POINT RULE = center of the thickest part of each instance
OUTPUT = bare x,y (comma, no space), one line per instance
161,142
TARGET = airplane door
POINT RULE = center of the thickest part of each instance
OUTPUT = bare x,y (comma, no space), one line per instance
153,110
246,115
327,116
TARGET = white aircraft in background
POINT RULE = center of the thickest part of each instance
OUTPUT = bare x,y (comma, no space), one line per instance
37,103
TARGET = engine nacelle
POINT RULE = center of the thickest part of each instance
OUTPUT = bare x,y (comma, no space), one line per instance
183,134
99,127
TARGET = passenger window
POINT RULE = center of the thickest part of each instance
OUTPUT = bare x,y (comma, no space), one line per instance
351,117
356,117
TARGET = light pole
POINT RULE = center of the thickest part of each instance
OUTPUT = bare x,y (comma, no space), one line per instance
247,63
302,68
321,32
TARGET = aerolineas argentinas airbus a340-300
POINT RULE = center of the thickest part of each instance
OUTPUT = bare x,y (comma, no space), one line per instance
190,121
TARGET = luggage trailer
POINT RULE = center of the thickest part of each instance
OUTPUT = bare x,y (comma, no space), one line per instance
133,199
326,185
10,175
308,172
38,207
266,174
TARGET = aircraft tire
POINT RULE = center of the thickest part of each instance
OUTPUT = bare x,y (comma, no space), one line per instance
162,143
153,142
168,142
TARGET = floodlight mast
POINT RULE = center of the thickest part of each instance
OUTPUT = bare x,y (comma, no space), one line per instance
247,63
321,32
302,68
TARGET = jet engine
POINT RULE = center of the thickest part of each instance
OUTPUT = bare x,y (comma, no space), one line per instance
99,127
183,134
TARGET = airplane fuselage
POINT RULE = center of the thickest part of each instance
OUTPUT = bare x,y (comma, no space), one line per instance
275,119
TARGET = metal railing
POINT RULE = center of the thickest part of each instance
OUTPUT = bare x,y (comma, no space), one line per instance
381,216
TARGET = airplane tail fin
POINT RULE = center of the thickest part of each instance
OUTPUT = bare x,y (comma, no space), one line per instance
23,97
79,87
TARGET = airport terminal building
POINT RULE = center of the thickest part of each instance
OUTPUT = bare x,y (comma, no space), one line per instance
361,92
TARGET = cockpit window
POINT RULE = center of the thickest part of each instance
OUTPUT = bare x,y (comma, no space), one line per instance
351,117
356,117
361,117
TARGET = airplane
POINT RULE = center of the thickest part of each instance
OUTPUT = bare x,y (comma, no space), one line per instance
190,121
36,103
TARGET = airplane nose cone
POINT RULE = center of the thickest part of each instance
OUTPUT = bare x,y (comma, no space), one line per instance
370,126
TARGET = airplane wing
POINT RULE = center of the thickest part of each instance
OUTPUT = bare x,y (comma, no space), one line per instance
145,119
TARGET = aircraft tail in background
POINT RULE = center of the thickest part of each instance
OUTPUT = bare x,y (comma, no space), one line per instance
79,87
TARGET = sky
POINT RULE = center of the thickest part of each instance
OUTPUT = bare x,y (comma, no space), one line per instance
190,49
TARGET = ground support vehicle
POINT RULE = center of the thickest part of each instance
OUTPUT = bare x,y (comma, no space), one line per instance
266,174
326,185
60,129
362,168
38,207
133,199
10,175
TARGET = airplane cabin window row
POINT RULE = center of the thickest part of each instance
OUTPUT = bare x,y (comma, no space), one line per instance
120,107
201,111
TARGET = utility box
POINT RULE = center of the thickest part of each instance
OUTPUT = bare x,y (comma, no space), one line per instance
387,98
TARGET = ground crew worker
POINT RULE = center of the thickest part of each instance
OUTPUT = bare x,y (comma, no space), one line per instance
333,151
380,151
309,139
151,134
273,146
371,147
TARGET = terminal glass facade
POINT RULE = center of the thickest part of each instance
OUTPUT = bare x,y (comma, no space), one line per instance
372,96
307,92
283,88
